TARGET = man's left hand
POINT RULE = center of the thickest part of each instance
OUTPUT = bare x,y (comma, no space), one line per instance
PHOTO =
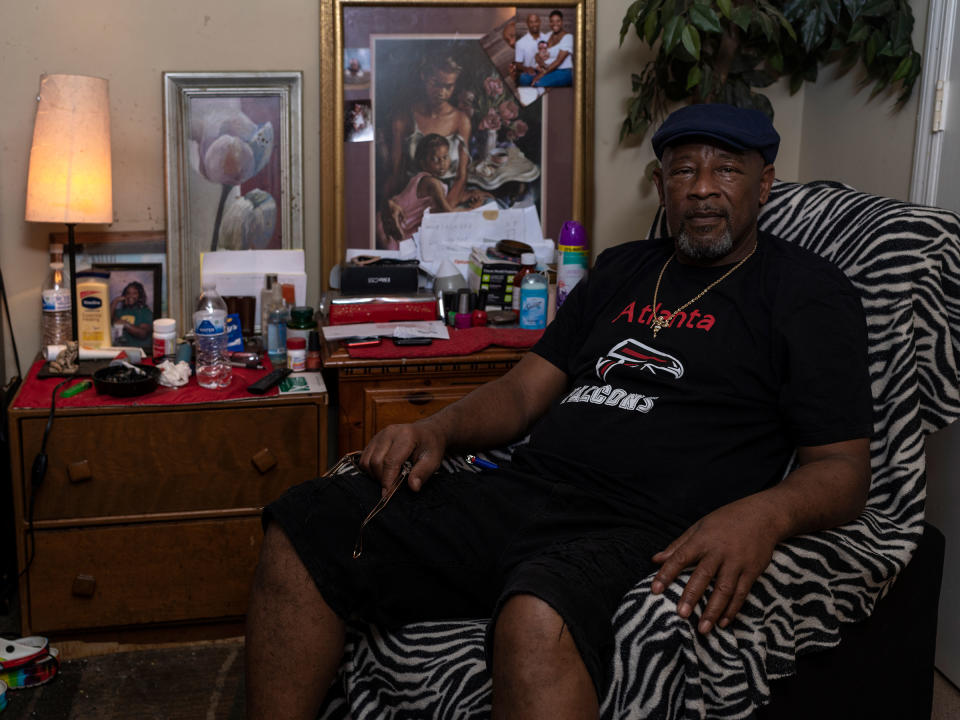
730,547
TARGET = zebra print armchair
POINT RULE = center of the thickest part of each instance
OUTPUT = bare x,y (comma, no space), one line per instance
905,260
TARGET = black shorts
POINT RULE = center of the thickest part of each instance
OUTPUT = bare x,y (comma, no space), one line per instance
465,544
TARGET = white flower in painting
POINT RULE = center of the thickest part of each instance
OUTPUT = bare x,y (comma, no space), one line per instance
231,148
249,222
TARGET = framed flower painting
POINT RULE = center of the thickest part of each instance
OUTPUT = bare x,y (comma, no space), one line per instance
233,150
456,104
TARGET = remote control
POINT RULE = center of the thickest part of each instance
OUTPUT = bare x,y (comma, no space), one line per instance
268,381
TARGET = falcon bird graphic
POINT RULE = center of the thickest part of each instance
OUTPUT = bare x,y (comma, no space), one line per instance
633,354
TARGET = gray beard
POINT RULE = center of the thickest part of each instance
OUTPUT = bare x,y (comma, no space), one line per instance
697,250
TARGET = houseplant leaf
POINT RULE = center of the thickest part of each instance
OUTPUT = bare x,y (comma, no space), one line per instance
690,39
741,16
671,33
650,27
705,18
814,29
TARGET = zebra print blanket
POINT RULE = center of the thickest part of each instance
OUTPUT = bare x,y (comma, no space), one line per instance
905,260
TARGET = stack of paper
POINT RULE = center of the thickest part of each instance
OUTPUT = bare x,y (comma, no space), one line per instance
453,236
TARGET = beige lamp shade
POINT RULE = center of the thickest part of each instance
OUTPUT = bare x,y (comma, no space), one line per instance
69,180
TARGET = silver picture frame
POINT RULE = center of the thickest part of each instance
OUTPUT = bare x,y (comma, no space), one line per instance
233,153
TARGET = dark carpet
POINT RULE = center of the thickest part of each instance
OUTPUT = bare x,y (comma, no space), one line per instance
198,682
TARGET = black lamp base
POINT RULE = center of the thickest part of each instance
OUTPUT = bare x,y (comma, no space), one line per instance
74,309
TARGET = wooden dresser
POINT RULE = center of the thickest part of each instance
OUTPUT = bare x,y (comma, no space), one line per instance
151,515
375,393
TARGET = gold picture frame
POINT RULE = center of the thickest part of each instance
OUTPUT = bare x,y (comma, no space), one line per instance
567,126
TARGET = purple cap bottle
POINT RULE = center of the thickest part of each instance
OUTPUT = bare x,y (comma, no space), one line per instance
573,257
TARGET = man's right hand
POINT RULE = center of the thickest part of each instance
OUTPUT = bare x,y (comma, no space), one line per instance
422,443
493,414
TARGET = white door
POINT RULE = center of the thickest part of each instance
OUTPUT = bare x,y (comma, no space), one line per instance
943,448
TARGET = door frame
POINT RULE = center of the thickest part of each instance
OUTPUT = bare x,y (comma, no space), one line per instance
928,146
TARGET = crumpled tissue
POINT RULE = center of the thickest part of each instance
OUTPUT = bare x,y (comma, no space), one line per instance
174,375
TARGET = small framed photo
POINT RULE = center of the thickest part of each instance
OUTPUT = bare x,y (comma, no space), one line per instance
234,158
135,301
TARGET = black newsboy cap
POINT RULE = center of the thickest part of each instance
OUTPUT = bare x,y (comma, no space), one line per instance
741,128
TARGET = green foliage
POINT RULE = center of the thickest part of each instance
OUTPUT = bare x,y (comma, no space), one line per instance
726,50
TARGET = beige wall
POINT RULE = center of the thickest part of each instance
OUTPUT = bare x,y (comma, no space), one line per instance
861,142
131,43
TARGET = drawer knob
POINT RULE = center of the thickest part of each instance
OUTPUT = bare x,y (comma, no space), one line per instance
79,471
264,460
419,398
84,585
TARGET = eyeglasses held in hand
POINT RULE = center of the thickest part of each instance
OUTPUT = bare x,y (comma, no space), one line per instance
351,460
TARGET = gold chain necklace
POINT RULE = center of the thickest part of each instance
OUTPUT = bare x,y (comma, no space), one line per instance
659,322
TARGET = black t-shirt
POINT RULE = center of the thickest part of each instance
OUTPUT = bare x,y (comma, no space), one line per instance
713,408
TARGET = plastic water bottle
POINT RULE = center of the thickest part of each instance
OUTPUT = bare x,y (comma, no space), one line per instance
277,337
533,301
55,324
209,327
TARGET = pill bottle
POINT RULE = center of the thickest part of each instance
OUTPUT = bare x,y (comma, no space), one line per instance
301,322
297,354
314,360
164,339
93,308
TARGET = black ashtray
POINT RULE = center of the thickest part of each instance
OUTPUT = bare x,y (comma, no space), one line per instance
122,381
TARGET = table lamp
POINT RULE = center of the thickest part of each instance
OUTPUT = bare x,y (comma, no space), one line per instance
69,179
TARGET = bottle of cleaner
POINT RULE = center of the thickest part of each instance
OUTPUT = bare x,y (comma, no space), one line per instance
573,258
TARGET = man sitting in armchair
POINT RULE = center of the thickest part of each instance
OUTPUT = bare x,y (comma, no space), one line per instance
665,405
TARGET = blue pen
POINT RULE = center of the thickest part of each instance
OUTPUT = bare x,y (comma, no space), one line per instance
481,463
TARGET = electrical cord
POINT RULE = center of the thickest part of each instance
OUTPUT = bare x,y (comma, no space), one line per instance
9,390
37,473
13,340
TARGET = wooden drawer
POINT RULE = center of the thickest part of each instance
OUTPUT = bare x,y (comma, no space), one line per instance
388,406
173,461
158,572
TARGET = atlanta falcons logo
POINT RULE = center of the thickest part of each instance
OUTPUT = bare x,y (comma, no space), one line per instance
631,353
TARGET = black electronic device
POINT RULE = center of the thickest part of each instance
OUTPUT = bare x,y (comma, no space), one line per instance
381,277
400,342
268,381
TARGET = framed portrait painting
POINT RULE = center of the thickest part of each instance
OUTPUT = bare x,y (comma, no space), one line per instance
233,151
458,121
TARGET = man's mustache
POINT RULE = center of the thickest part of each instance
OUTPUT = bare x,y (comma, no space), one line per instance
706,210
